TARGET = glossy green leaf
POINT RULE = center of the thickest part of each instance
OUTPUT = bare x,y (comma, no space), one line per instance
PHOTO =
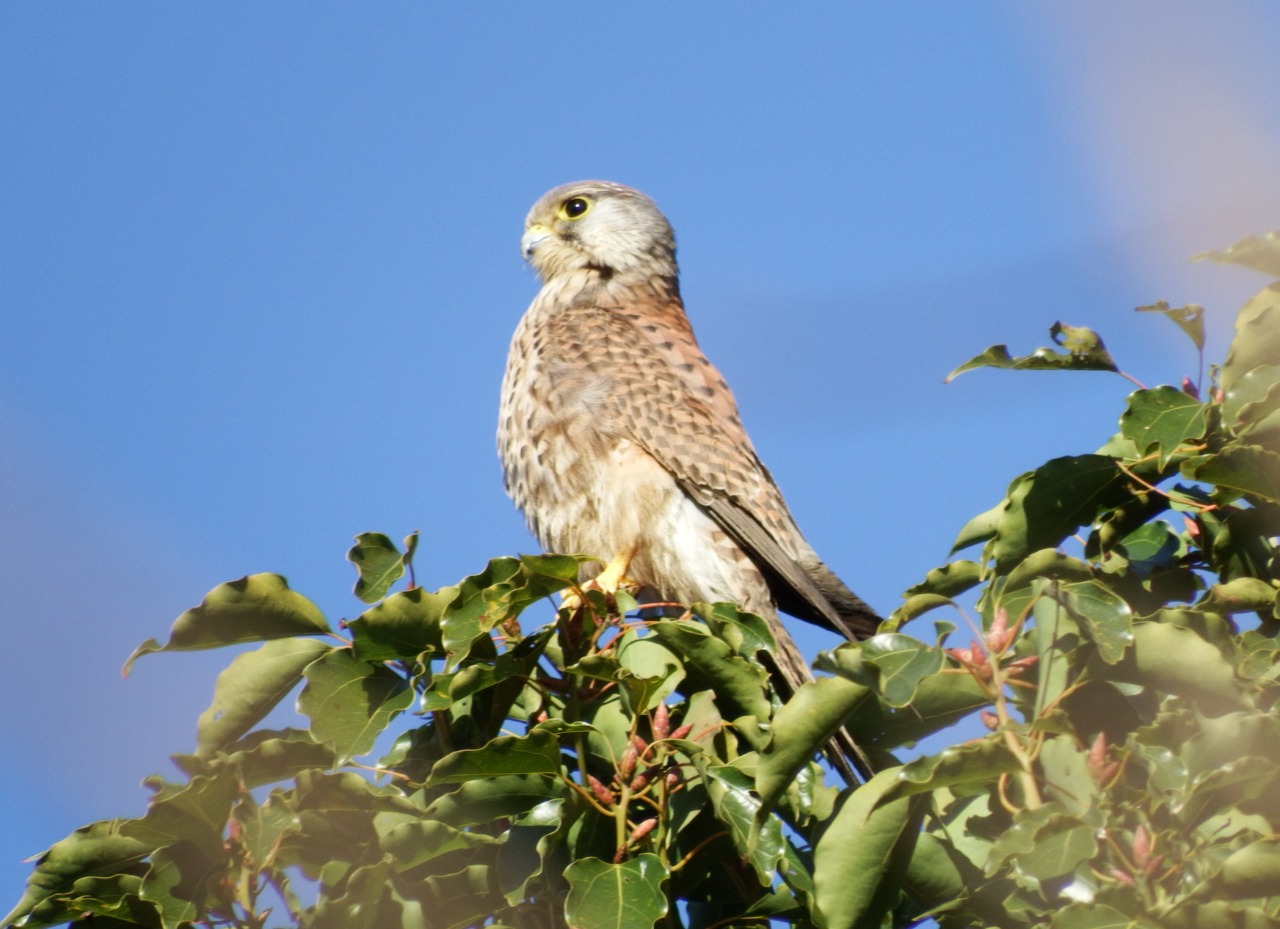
536,753
892,664
949,580
1162,419
253,609
711,663
1253,400
1102,614
801,727
757,836
379,564
195,813
250,687
854,855
487,799
349,701
615,896
981,761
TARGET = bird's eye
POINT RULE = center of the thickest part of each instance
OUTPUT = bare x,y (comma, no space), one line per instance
574,207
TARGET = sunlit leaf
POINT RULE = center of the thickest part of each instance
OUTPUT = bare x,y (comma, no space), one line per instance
1163,419
536,753
379,564
1084,352
615,896
253,609
854,855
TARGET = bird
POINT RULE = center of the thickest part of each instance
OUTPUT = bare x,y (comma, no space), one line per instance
620,439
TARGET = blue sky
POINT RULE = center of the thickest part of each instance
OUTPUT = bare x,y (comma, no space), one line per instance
259,268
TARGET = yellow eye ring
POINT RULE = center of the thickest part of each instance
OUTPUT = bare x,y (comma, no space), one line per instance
575,208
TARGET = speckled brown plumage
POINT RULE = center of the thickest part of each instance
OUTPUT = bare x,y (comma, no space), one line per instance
618,435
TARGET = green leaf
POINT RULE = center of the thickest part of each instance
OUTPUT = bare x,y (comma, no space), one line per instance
949,580
1242,595
1162,418
487,799
1178,660
536,753
1084,352
1241,469
379,564
711,664
265,756
1047,505
1095,916
181,882
250,687
1257,338
349,701
195,813
648,671
1253,401
99,849
979,529
1044,842
403,626
757,836
615,896
1252,871
891,663
1103,615
1189,318
253,609
800,729
853,857
978,762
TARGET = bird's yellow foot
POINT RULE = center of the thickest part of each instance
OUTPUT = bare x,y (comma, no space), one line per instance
609,581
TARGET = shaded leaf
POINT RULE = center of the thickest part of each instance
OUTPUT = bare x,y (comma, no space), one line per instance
615,896
1252,871
253,609
1048,504
1044,842
1102,614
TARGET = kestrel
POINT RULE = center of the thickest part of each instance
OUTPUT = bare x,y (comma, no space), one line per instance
619,438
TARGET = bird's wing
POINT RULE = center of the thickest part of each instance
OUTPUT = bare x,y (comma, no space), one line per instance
665,395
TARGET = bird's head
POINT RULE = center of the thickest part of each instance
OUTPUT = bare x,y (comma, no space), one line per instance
598,225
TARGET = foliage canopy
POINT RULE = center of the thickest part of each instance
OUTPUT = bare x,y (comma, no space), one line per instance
622,770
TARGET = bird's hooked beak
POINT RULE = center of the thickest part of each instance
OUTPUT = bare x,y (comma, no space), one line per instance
534,236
